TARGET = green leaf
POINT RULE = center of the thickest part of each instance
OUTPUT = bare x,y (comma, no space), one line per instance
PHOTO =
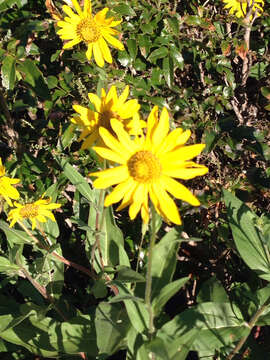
125,274
212,290
166,293
248,239
14,236
74,336
6,266
124,9
159,53
217,325
132,48
168,70
266,92
100,289
34,77
164,261
8,72
111,324
76,179
137,312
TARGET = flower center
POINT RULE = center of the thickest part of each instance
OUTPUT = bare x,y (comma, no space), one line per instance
144,167
88,30
105,118
29,211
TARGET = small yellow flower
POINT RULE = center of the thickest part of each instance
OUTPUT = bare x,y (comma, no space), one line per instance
108,106
7,191
239,7
36,211
94,31
148,165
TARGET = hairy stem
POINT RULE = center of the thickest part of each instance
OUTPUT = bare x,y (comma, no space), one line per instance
251,324
149,274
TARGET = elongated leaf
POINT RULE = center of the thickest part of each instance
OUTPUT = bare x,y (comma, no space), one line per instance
125,274
6,266
248,239
111,324
8,72
166,293
164,261
76,179
218,325
34,77
14,236
168,70
137,312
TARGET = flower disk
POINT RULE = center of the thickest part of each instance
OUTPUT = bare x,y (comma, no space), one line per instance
7,191
94,31
37,211
108,106
148,166
239,7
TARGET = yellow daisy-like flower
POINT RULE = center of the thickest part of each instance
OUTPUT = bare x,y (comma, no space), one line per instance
7,191
108,106
239,7
94,31
148,166
37,211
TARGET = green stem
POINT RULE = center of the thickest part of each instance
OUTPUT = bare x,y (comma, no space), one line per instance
250,325
149,273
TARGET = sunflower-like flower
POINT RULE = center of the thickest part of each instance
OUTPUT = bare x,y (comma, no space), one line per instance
108,106
148,166
36,211
239,7
94,31
7,191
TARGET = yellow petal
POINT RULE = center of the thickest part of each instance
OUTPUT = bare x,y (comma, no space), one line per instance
183,153
87,8
186,173
118,192
105,50
110,177
124,138
98,55
138,197
111,97
71,43
179,191
111,141
95,100
167,206
89,51
109,155
123,97
161,129
113,41
77,7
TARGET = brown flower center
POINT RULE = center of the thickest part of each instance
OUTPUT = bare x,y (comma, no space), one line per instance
88,30
144,167
105,118
29,211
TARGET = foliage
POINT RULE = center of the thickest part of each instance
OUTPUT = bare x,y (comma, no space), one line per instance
78,287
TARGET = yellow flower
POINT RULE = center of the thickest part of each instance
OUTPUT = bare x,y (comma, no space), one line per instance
239,7
37,211
148,165
94,31
108,106
7,191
